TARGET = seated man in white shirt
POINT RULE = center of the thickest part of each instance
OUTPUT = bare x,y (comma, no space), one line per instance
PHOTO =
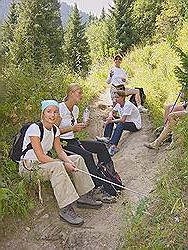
118,78
129,119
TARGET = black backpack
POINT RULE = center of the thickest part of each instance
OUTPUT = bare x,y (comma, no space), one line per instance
16,149
142,96
107,172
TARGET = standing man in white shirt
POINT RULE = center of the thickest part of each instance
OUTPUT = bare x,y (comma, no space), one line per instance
128,119
118,78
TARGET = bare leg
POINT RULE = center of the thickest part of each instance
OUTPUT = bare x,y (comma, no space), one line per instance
137,97
172,120
168,109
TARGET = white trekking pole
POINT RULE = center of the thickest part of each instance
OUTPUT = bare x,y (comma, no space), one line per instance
110,182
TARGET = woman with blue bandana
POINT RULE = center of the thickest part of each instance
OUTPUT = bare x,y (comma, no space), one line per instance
37,160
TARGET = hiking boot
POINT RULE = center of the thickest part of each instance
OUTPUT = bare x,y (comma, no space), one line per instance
68,214
152,145
101,195
142,109
112,150
88,201
103,139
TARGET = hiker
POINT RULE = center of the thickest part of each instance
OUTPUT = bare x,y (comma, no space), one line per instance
170,120
118,78
37,161
126,116
69,125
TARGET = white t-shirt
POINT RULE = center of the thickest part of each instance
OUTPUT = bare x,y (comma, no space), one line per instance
131,111
66,119
118,74
46,143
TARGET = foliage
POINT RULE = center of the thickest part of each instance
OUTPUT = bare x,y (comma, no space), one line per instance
144,16
77,48
121,16
103,14
165,224
97,35
38,35
8,28
169,21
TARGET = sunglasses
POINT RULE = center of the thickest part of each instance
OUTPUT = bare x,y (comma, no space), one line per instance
72,119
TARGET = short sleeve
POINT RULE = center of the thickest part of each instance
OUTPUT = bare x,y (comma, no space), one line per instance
127,110
33,130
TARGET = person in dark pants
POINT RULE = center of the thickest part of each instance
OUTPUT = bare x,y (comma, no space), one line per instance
69,124
128,119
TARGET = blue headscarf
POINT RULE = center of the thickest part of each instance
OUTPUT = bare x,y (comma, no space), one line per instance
46,103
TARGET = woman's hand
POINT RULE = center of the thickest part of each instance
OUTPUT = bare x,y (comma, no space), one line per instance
70,166
78,127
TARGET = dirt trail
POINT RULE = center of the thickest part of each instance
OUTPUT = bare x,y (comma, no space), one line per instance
103,229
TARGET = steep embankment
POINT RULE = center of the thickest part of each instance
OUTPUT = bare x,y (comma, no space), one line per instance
138,167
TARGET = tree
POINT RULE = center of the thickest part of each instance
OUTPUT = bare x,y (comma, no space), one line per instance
169,21
38,36
103,14
144,16
121,16
76,44
9,27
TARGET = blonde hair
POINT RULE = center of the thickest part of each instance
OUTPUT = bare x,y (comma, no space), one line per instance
72,88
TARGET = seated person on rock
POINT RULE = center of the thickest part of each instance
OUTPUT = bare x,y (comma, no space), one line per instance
118,79
170,120
36,161
69,125
129,119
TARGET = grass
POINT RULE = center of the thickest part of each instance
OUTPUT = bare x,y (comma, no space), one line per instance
166,227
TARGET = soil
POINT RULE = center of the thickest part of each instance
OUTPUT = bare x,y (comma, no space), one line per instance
104,228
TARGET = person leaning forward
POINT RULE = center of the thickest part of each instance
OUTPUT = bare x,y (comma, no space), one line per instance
56,170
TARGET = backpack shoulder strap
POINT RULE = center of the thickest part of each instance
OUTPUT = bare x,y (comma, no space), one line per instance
41,129
29,146
54,130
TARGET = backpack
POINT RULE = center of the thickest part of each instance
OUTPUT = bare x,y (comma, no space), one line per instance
142,96
16,149
107,172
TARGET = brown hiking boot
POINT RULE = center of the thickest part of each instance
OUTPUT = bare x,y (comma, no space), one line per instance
68,214
88,201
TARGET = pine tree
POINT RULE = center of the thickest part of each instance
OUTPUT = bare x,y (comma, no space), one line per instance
121,16
9,27
77,47
38,36
103,14
144,16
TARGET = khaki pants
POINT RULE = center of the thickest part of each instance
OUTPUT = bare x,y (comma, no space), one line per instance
64,190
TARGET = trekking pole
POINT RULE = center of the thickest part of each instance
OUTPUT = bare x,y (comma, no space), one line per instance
110,182
173,106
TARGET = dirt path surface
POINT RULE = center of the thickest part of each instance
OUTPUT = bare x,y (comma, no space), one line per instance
103,229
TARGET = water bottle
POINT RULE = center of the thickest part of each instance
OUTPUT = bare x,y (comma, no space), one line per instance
86,115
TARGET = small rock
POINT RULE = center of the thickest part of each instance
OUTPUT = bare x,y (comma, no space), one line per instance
46,216
28,229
